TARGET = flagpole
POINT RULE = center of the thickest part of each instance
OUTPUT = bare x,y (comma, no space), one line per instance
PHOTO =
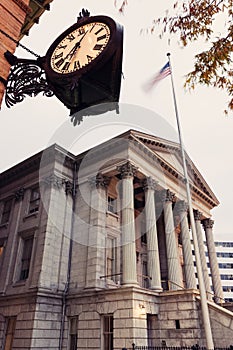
203,298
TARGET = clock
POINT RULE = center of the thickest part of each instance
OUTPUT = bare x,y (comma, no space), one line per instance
83,66
80,47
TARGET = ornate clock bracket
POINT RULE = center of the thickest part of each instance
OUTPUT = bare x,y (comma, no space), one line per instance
26,78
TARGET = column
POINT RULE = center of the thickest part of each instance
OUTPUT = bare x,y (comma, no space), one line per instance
97,235
197,217
151,231
174,268
216,280
187,247
129,271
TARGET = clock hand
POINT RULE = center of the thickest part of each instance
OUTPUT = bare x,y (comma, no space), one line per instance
85,34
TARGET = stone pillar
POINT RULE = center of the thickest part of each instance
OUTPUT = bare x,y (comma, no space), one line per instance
151,231
187,247
97,236
174,268
197,217
216,280
129,271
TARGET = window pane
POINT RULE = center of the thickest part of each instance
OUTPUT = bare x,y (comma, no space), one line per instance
108,332
34,200
26,258
6,211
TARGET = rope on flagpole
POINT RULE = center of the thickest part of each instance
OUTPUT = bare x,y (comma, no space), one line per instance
203,299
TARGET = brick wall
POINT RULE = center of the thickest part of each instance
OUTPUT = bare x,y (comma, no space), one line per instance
12,16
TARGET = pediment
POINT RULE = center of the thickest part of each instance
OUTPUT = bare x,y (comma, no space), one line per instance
169,152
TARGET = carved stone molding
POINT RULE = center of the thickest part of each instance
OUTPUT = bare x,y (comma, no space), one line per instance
69,188
53,180
167,196
208,223
19,194
197,214
100,181
127,169
149,184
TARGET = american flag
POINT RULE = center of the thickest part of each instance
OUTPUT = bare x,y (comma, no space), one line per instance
163,73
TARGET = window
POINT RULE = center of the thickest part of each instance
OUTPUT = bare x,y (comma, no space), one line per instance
26,257
2,245
73,333
10,330
6,211
111,258
152,329
34,201
112,205
145,278
177,324
107,332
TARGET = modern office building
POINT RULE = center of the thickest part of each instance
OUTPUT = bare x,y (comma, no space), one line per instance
224,251
96,252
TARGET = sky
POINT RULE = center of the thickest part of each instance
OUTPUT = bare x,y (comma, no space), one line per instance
37,122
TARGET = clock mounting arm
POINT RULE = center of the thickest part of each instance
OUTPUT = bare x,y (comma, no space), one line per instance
27,77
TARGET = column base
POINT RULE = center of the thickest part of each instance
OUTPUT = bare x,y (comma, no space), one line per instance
156,288
130,283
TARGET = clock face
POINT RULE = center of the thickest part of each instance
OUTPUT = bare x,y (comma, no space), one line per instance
80,47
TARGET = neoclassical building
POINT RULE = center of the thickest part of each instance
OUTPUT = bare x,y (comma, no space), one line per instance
96,250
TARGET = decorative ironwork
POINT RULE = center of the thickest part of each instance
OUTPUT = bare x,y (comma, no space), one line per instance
83,13
26,78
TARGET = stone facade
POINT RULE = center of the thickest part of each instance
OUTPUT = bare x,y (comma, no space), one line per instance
95,250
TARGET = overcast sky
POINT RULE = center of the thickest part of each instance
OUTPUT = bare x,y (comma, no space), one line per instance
32,125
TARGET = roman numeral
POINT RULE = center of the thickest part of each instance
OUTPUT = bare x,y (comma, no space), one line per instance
61,46
81,31
58,56
89,58
77,65
66,66
97,47
70,37
101,37
59,63
98,31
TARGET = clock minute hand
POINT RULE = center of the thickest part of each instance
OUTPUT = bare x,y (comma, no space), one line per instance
85,34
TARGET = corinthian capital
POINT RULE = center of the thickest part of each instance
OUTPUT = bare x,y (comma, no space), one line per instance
127,169
208,223
197,215
149,184
19,194
100,181
167,196
181,207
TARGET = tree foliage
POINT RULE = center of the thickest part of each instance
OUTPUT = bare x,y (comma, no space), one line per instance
191,20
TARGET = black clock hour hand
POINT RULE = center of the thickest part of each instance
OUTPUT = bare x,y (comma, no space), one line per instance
72,51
